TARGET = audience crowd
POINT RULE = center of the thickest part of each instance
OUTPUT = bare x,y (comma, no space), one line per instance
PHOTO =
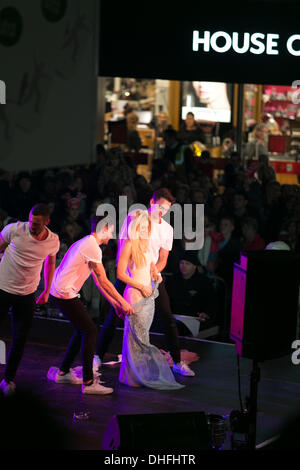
244,209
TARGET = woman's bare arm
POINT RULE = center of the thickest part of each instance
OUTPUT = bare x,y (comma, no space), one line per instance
123,262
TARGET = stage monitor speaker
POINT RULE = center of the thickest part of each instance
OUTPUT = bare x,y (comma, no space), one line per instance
163,431
264,310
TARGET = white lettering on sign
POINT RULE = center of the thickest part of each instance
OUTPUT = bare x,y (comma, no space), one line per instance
235,43
214,39
255,40
256,43
290,44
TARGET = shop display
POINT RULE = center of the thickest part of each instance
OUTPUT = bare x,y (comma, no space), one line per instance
208,101
250,94
278,101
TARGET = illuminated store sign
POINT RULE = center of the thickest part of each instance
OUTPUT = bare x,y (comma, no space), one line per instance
256,43
259,46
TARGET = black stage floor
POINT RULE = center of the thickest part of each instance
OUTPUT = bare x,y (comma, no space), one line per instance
214,389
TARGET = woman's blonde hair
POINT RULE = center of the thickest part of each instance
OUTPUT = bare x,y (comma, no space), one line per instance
137,254
259,127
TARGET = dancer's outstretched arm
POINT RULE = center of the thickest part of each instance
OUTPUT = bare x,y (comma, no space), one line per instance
49,268
116,305
100,278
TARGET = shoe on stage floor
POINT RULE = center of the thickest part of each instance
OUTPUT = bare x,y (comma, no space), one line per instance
69,378
8,388
183,369
96,389
78,371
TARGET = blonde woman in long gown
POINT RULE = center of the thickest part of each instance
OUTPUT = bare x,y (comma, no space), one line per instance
142,363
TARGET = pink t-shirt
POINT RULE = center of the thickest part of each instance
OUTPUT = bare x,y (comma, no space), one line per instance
22,262
74,269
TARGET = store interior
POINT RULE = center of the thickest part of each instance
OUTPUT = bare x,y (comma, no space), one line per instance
271,121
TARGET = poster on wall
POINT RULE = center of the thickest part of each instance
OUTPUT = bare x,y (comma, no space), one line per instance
48,52
208,101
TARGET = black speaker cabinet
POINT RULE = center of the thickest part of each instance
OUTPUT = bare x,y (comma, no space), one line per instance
163,431
264,306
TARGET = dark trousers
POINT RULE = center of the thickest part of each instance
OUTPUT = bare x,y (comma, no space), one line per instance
85,335
163,308
22,315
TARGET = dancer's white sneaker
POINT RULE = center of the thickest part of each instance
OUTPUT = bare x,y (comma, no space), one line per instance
69,378
96,389
78,372
183,369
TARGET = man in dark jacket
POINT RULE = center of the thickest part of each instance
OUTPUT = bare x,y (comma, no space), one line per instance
180,155
192,293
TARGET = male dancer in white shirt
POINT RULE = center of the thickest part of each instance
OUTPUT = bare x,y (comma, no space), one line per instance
26,246
161,242
83,258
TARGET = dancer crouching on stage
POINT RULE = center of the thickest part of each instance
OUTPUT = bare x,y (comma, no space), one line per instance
26,246
142,363
83,258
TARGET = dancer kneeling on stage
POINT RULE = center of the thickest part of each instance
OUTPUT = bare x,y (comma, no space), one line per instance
142,363
83,258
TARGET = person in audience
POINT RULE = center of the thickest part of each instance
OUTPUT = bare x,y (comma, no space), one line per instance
207,255
258,142
205,164
23,197
143,190
251,239
48,190
190,131
229,250
217,207
265,173
115,171
198,196
180,155
5,190
132,120
241,209
160,123
228,254
289,233
273,211
232,169
73,217
192,293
